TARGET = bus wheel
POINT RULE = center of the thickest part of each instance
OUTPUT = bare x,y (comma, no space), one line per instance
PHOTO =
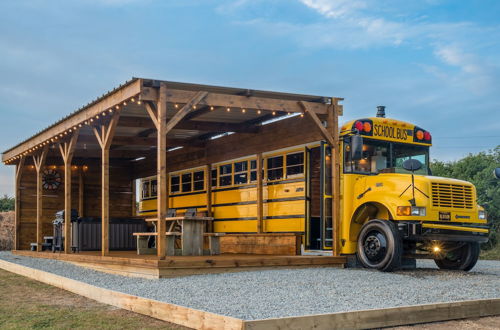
380,246
462,258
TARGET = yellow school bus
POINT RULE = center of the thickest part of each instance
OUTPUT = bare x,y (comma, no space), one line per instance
392,208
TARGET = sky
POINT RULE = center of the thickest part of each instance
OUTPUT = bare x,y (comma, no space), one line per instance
435,63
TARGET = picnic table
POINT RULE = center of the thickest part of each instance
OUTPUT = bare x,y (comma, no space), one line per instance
192,235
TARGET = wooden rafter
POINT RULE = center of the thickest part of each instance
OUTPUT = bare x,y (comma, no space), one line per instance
186,109
324,132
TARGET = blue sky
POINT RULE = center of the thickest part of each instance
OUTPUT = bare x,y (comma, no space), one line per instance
435,63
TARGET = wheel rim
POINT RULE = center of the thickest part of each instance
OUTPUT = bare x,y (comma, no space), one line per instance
375,246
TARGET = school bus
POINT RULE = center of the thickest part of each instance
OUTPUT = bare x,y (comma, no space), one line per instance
391,206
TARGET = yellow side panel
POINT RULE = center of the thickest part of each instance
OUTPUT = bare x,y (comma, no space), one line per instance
197,200
235,211
147,207
235,226
279,225
284,190
234,196
285,208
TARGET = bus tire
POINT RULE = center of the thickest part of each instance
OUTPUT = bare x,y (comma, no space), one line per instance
380,245
463,258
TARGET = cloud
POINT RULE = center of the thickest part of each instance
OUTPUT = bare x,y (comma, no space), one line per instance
335,8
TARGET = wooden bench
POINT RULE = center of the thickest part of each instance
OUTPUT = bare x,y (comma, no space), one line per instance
143,238
213,242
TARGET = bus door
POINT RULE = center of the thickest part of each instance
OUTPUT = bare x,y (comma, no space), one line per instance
319,220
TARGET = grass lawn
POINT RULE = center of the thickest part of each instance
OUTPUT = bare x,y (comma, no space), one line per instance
28,304
493,254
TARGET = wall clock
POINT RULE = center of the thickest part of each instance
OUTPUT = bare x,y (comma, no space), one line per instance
51,179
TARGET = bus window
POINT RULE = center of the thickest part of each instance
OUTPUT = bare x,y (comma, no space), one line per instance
198,181
175,184
275,168
294,164
402,152
253,170
145,189
241,172
154,188
186,182
225,175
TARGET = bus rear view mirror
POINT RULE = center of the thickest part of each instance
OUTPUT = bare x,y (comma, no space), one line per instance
356,147
496,172
412,165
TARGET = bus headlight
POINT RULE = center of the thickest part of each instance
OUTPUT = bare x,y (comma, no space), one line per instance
416,211
481,215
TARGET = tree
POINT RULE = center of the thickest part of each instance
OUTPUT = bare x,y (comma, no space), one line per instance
6,203
478,169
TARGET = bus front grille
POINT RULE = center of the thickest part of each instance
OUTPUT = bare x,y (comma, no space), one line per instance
452,196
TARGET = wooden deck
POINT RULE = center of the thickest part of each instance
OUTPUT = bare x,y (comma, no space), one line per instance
128,263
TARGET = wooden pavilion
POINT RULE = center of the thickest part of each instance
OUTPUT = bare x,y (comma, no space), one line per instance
137,130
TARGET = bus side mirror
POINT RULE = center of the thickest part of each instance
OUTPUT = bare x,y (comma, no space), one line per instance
496,172
356,147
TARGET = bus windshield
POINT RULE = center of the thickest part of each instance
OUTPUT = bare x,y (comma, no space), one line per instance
385,157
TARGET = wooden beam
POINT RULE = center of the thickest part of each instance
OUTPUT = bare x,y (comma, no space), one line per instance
105,136
186,109
81,193
39,161
161,168
135,140
67,150
326,134
17,201
260,196
238,101
153,113
197,125
117,97
333,128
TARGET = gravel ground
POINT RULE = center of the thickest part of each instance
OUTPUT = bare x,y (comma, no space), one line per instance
293,292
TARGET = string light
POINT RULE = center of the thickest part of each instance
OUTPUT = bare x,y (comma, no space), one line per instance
194,107
91,120
79,125
124,103
132,99
110,110
274,113
65,133
176,106
117,107
228,109
212,108
259,112
139,102
103,114
243,110
97,117
302,115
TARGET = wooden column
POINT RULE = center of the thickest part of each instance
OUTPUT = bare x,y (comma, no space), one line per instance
134,193
260,196
81,193
331,135
158,114
333,128
104,134
208,180
67,150
39,161
17,205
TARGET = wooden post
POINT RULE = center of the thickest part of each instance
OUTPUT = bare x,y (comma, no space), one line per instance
105,137
158,115
333,126
67,150
331,135
208,177
260,196
134,193
161,167
39,161
81,192
17,205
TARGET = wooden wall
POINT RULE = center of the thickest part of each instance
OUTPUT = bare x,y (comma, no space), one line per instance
53,201
282,134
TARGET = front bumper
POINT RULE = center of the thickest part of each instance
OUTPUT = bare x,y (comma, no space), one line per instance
437,231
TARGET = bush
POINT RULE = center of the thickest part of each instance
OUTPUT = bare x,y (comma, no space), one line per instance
6,230
6,203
